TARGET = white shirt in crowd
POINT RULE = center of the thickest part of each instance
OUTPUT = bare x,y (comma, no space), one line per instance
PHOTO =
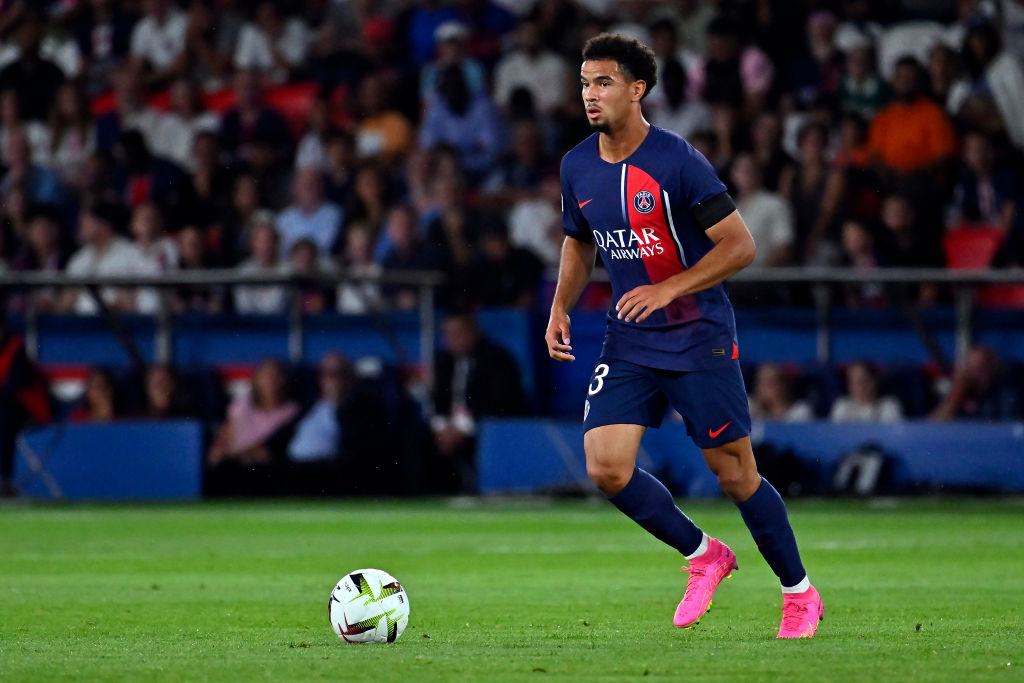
885,409
120,257
536,225
253,49
174,135
260,299
770,221
322,227
160,43
544,76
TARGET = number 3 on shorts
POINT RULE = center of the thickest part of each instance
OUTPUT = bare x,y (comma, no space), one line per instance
600,372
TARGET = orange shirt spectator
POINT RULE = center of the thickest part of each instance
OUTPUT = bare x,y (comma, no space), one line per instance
912,132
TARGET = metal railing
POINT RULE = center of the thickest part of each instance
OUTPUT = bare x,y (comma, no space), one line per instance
821,282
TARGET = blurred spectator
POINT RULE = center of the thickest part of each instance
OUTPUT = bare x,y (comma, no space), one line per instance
853,161
11,124
679,113
535,223
503,275
104,252
450,45
942,73
532,67
260,422
452,226
406,251
861,90
732,73
164,398
818,72
40,250
24,398
130,111
318,434
101,402
208,195
33,78
264,258
517,175
772,397
358,297
193,255
272,45
907,244
340,160
383,134
104,34
252,132
311,152
370,198
814,191
305,259
421,22
466,122
766,140
40,184
912,133
141,177
475,378
210,43
147,229
992,98
158,41
982,389
310,215
177,129
767,215
242,214
984,193
668,51
72,133
862,402
860,253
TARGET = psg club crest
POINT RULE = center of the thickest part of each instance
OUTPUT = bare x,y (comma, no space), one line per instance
643,201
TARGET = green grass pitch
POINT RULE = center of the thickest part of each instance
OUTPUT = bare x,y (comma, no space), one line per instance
532,591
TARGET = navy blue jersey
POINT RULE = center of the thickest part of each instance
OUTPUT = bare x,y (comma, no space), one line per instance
647,215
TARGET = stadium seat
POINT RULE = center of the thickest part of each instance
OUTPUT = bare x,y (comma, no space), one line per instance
971,246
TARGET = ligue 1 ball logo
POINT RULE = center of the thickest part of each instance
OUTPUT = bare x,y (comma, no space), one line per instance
643,201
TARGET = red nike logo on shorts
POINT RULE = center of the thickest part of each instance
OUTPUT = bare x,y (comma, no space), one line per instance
582,204
713,433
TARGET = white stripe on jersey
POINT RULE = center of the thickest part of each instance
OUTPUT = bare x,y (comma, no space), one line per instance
622,195
672,228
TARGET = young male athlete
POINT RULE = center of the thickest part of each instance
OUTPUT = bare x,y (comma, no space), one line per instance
669,235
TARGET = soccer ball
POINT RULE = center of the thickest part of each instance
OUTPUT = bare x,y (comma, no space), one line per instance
368,606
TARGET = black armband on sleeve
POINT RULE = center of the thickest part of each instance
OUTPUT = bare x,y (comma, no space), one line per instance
711,211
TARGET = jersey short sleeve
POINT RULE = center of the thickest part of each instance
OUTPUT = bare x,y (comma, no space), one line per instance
706,196
574,224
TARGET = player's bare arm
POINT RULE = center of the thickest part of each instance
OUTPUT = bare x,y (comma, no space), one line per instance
574,269
733,251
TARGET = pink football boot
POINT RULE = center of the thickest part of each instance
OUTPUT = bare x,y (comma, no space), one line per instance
801,613
706,572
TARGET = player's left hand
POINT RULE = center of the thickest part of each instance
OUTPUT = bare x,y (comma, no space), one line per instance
640,302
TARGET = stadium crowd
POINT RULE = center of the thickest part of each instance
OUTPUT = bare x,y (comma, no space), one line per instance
142,136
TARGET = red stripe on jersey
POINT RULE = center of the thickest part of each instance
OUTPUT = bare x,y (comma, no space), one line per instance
660,266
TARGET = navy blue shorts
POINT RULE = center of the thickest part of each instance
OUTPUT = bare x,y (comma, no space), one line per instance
713,402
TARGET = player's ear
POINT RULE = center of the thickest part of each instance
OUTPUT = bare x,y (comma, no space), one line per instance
639,88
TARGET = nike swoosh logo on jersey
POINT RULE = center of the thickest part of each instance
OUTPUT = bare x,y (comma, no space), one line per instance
714,433
582,204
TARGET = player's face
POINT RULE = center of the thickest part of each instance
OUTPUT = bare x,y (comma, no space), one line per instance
607,94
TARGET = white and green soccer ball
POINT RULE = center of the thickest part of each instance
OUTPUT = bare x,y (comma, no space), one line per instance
368,606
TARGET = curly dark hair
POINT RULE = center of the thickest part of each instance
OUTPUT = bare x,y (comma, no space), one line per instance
635,60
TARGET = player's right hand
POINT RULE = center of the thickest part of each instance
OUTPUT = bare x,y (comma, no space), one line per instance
557,338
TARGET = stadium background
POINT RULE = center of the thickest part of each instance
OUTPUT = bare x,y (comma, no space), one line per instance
311,151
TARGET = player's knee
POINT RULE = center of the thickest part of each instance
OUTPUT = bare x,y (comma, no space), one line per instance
737,483
609,478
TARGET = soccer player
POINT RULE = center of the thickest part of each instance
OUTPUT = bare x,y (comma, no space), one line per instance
669,235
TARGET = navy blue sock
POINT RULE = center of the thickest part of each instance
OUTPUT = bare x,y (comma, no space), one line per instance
647,502
765,515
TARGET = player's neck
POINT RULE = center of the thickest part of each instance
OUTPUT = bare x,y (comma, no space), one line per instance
617,145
